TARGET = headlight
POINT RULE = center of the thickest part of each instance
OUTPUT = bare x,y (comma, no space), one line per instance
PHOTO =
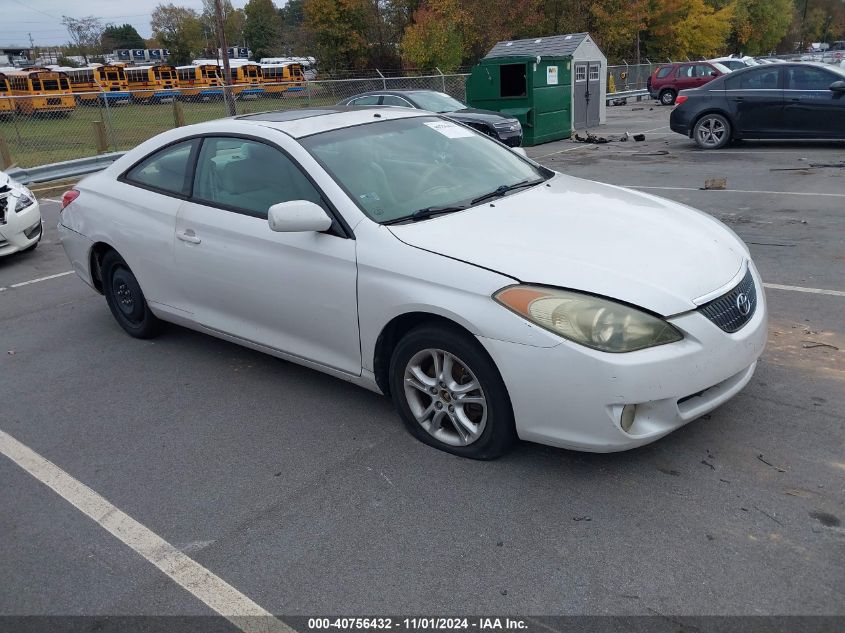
592,321
24,201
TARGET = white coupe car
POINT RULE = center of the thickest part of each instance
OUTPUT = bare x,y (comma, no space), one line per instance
20,217
490,297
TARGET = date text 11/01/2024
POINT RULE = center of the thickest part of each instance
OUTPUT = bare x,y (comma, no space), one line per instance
414,624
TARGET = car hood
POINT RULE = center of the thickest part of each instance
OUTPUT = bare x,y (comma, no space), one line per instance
606,240
487,116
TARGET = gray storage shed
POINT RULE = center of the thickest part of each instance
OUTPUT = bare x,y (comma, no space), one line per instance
589,71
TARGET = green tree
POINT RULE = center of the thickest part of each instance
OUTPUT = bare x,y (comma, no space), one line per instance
123,36
687,28
435,38
339,28
297,38
262,28
178,29
759,25
233,24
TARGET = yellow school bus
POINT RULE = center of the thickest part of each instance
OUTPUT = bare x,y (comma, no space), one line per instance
98,83
283,77
41,92
246,79
200,82
150,84
7,106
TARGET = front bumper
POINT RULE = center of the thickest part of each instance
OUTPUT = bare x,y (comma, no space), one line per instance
511,139
21,229
572,397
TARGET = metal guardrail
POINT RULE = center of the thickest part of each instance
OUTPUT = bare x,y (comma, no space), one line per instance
627,94
63,170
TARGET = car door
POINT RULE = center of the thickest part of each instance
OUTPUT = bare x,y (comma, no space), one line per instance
812,109
756,101
685,77
294,292
149,195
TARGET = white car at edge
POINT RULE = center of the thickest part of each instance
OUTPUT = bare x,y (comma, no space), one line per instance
490,297
20,217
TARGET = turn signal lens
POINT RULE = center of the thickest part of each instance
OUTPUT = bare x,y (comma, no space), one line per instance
595,322
680,99
68,197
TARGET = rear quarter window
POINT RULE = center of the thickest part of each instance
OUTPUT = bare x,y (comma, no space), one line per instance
664,72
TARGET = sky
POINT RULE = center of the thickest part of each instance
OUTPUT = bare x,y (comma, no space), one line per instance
43,18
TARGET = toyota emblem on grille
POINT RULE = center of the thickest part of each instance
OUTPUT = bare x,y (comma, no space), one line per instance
743,304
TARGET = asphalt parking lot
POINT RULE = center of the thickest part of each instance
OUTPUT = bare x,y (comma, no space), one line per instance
306,495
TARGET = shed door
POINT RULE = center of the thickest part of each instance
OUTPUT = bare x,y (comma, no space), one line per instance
580,97
594,95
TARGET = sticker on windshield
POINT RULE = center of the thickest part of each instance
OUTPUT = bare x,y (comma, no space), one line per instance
447,128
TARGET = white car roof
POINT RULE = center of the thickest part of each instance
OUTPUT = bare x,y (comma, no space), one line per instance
299,123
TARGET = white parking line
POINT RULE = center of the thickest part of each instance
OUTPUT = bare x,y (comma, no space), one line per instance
35,281
778,193
816,291
210,589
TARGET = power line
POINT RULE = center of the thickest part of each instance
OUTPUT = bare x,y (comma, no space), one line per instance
23,4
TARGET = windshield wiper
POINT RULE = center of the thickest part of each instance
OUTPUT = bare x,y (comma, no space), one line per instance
502,190
429,212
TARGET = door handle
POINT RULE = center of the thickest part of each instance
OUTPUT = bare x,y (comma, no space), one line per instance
188,236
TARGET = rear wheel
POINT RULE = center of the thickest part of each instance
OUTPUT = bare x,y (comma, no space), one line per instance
450,394
125,298
712,131
667,97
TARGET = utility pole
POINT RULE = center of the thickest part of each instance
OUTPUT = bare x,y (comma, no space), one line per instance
802,46
224,51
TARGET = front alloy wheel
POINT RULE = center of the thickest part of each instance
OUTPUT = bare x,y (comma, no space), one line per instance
445,397
712,131
450,394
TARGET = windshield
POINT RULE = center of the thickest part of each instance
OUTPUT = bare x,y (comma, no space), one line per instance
721,67
436,101
393,168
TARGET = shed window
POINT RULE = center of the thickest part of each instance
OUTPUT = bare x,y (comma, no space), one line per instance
594,73
512,80
580,73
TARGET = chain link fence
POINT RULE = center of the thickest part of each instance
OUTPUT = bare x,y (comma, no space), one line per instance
628,77
94,123
98,124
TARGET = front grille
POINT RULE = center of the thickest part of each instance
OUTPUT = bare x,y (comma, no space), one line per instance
4,205
729,310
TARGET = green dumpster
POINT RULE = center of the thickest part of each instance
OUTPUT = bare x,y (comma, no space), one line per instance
535,90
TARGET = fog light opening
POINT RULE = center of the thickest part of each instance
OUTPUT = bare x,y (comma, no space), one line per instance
627,419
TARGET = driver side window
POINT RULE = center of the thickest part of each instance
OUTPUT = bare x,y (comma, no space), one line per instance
248,177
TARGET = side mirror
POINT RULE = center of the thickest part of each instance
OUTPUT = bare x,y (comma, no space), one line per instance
298,216
714,74
838,86
519,150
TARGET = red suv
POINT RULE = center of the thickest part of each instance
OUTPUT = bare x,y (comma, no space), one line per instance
669,79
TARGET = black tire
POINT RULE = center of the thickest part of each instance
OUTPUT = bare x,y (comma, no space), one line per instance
126,300
499,432
712,131
667,97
